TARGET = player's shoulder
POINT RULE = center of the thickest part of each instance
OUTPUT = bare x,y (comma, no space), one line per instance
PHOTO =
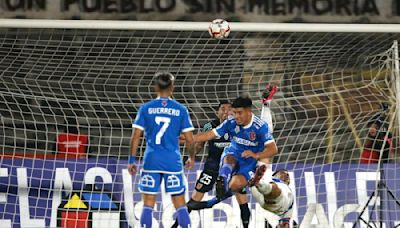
259,123
231,120
151,103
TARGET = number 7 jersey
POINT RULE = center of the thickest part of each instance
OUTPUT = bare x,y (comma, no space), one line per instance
162,121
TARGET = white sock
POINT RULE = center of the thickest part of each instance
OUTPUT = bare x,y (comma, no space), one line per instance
264,185
267,117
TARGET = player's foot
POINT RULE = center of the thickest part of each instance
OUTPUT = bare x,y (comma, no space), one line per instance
258,175
269,92
220,187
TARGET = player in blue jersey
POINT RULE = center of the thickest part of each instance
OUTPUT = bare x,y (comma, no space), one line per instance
251,141
208,176
271,191
162,121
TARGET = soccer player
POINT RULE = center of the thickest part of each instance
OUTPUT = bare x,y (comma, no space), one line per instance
273,193
250,142
207,178
162,121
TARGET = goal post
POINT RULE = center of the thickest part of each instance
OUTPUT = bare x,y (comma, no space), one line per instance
90,77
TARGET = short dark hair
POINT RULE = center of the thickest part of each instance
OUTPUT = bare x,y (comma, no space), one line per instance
279,170
242,102
164,80
222,102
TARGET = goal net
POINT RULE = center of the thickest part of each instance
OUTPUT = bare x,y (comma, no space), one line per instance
68,80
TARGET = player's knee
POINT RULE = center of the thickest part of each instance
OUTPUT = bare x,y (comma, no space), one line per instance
230,160
236,186
237,183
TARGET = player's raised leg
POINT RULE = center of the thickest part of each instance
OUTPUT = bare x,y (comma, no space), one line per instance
267,95
225,172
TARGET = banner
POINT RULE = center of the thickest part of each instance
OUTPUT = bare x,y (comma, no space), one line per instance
343,11
32,190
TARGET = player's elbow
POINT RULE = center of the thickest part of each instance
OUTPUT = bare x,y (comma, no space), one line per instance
199,146
275,149
190,141
189,138
272,148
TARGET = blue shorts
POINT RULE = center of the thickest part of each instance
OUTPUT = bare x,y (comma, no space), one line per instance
244,166
150,182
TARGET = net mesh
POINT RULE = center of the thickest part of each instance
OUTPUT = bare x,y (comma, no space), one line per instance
93,81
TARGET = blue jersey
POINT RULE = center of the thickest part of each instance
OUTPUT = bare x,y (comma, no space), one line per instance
253,136
162,121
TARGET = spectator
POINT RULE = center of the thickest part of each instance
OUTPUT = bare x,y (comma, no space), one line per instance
72,143
378,138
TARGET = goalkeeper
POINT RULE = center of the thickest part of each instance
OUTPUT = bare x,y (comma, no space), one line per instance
207,178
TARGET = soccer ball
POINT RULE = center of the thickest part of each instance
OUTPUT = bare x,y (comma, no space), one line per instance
219,29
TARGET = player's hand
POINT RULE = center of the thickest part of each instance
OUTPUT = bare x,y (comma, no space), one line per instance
132,169
189,163
249,154
181,139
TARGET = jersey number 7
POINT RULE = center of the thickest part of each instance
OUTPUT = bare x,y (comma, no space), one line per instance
165,123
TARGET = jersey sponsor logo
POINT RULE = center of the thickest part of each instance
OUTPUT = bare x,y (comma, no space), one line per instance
168,111
252,135
164,103
222,144
244,141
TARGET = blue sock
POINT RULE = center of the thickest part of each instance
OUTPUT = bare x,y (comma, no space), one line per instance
147,217
225,172
182,215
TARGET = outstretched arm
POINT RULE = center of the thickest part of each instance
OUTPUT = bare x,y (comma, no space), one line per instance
204,136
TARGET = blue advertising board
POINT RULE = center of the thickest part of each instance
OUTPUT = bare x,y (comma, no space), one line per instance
326,194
